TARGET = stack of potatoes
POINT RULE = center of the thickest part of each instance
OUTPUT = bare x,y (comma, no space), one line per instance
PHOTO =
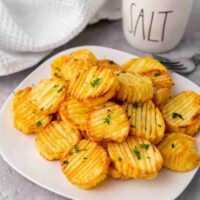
101,119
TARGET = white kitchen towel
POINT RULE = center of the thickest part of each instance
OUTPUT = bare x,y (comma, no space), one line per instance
29,30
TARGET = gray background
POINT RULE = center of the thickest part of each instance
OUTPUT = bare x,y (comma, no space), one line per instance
15,187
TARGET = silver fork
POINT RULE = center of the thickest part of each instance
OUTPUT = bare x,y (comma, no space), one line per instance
180,65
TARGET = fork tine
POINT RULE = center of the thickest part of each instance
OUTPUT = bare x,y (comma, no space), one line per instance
160,58
170,63
173,65
174,68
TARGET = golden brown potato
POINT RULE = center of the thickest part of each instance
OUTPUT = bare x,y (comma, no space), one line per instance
26,118
59,63
108,122
182,113
149,67
98,82
114,173
146,121
86,165
179,152
55,139
47,95
108,64
133,87
135,158
76,112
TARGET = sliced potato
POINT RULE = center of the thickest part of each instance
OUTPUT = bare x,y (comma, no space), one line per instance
182,113
179,152
135,158
108,122
114,173
26,118
47,95
146,121
86,165
55,139
108,64
149,67
76,112
133,87
92,84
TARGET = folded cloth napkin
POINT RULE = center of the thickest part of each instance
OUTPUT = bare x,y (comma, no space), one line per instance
29,30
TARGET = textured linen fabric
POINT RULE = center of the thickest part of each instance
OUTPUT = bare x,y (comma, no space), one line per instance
29,30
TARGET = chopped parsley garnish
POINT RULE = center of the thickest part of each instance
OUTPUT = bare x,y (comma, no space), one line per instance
135,105
59,90
55,86
109,110
75,60
175,115
65,162
95,82
159,125
133,126
137,153
76,149
107,120
173,145
38,123
56,75
119,159
144,146
148,157
71,153
33,112
157,73
123,72
85,158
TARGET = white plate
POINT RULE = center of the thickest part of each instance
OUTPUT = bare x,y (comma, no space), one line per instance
19,152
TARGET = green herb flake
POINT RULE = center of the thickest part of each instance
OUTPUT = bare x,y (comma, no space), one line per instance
173,145
59,90
95,82
38,123
137,153
55,86
71,153
123,72
75,60
157,73
175,115
144,146
76,149
56,75
66,162
148,157
106,120
119,159
85,158
135,105
159,125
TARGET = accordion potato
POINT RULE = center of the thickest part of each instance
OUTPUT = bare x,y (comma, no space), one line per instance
98,82
182,113
108,122
114,173
109,64
133,87
135,158
86,165
149,67
179,152
26,118
47,95
146,121
57,138
76,112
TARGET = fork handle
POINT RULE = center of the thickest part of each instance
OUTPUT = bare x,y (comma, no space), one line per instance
196,59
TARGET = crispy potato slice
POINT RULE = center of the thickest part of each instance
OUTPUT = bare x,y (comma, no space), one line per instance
133,87
146,121
114,173
182,113
47,95
76,112
59,63
109,64
108,122
75,65
135,158
179,152
98,82
86,165
26,118
55,139
149,67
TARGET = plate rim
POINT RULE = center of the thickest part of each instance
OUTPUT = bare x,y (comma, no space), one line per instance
33,180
